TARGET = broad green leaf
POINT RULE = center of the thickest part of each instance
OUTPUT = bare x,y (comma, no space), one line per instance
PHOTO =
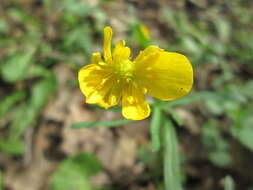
27,113
172,171
244,134
9,101
242,128
77,170
14,147
79,38
16,67
155,128
115,123
41,92
229,183
24,117
69,179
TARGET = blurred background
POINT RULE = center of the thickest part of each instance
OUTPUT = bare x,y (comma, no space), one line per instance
43,44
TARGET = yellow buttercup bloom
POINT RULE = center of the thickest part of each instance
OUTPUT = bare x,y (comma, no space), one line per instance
115,77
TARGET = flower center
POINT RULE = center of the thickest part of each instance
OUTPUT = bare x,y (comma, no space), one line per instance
124,69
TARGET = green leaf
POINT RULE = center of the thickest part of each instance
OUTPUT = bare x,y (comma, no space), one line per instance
87,163
75,172
41,92
229,183
172,171
24,118
14,147
115,123
16,68
9,101
79,38
242,129
27,112
155,128
244,135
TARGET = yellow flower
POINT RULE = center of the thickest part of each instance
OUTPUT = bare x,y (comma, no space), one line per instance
164,75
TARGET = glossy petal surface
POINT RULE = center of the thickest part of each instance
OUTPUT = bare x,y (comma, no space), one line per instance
96,58
99,86
166,75
134,105
121,52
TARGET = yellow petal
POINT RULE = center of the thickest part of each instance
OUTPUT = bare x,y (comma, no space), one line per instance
96,58
107,44
112,93
99,85
121,52
134,105
147,53
166,75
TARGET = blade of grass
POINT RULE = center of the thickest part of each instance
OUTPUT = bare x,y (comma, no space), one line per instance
171,158
115,123
155,128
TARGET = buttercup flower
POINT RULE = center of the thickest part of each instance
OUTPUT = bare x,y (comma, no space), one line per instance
116,78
